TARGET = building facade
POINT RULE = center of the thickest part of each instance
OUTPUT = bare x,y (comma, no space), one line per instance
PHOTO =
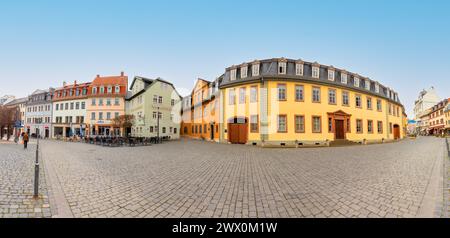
38,114
69,110
200,111
106,102
447,119
427,99
437,118
19,105
156,107
291,102
6,99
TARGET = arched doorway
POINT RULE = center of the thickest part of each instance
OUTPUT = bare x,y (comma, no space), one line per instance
396,132
339,124
238,130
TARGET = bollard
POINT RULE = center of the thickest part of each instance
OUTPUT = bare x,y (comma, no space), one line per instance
36,172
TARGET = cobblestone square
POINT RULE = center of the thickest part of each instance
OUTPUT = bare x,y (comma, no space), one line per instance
190,178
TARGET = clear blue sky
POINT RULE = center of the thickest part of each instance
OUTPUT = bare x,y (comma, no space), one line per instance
402,44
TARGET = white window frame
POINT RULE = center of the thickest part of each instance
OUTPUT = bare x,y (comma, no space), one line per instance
344,78
331,74
299,69
255,70
356,82
117,89
315,72
233,73
367,84
377,88
282,67
244,71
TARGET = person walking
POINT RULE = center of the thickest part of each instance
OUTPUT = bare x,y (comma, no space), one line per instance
25,141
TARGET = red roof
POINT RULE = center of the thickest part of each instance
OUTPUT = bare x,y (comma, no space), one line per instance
110,80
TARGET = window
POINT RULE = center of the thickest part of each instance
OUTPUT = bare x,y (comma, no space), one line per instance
369,103
77,106
281,67
117,90
200,129
345,98
331,75
151,129
100,102
299,69
253,93
315,72
116,101
231,97
160,99
108,102
102,90
57,107
163,130
316,124
94,90
330,124
154,115
93,102
109,89
380,127
356,82
344,78
282,123
172,102
299,93
160,115
93,116
377,88
359,126
358,101
331,96
100,115
116,115
244,71
71,105
233,74
367,84
316,94
255,70
155,99
369,126
254,123
281,92
108,116
241,95
299,124
174,130
379,105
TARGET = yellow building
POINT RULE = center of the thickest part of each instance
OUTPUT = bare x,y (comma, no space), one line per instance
292,102
200,112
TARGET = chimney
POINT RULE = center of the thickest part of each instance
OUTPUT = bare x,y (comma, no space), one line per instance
122,74
75,83
98,75
64,83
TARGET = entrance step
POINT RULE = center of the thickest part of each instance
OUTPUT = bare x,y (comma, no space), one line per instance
338,143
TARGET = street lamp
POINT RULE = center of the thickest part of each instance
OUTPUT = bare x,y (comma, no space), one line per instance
157,125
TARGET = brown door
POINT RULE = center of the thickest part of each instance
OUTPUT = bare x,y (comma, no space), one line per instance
242,133
339,129
396,132
233,133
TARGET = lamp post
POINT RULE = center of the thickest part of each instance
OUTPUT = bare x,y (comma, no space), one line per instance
157,125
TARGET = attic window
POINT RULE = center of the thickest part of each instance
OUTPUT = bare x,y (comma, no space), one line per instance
255,70
233,74
315,72
281,67
244,72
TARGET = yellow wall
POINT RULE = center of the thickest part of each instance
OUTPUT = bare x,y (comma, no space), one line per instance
307,108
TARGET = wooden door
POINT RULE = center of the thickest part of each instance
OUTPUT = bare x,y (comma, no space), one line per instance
243,133
339,129
396,132
233,133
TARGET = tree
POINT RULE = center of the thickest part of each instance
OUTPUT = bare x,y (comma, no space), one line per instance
124,121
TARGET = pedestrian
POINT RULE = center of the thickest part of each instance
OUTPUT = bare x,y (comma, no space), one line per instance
25,141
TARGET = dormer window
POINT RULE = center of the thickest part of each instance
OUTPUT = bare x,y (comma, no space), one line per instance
299,69
281,67
233,74
367,84
344,78
255,70
377,88
109,89
356,82
102,90
94,90
244,72
331,74
117,89
315,72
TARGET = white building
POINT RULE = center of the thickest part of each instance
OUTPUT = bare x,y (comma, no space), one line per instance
427,99
38,115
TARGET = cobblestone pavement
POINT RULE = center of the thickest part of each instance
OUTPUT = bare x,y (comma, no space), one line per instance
447,184
201,179
16,183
